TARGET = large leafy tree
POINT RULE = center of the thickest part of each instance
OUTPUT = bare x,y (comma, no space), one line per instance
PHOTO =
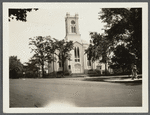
51,51
15,66
20,14
64,48
122,58
41,48
125,25
99,48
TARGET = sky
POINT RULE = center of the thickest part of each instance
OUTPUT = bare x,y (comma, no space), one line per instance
49,20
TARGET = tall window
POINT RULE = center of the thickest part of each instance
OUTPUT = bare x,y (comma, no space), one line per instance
77,54
73,29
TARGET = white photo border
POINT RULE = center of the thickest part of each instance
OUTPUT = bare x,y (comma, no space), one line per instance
143,109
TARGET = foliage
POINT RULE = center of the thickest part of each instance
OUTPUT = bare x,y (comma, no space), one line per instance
50,49
20,14
15,67
99,48
42,51
30,74
122,58
33,65
125,25
32,68
64,48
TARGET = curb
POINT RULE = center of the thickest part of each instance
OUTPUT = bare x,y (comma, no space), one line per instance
132,81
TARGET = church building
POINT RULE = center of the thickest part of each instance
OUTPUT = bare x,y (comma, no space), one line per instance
79,62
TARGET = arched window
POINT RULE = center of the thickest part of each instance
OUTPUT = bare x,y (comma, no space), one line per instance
77,54
73,29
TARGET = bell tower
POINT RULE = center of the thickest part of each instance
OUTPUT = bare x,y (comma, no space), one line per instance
72,28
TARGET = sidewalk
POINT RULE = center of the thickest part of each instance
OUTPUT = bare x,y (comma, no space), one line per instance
128,80
115,76
114,79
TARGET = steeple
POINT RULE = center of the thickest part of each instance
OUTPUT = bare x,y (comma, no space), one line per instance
72,27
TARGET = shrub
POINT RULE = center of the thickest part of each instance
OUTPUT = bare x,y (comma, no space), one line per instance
98,71
31,74
66,73
59,72
12,74
91,71
19,75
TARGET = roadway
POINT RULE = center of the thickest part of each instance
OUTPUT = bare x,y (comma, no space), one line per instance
73,93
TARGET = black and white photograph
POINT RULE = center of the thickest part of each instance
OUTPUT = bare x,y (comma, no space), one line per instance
75,57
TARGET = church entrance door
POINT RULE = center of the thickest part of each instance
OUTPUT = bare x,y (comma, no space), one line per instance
77,68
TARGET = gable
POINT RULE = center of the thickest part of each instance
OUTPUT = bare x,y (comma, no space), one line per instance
76,43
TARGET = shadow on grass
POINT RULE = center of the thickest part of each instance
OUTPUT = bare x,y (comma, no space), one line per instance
95,79
129,83
133,83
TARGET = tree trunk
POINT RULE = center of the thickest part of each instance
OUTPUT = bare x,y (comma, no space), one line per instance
63,63
53,67
91,64
63,66
42,70
105,68
53,64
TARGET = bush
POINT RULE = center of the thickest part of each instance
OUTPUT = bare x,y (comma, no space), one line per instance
31,74
59,72
12,74
50,75
91,71
19,75
98,71
66,73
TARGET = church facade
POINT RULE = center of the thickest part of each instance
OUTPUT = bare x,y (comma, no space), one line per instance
79,62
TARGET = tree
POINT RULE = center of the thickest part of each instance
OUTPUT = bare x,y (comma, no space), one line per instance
51,50
122,58
125,25
20,14
32,67
64,48
98,48
15,67
41,48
